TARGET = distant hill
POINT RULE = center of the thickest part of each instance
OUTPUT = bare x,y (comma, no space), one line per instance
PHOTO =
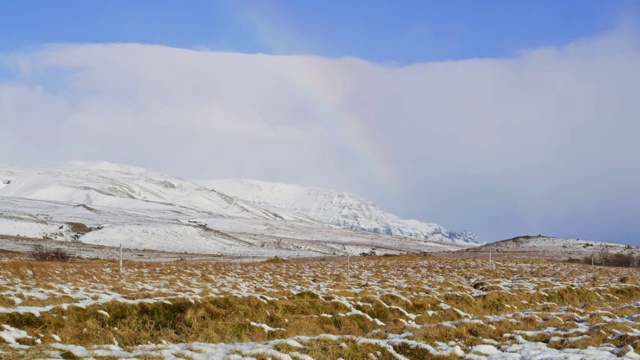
336,208
552,247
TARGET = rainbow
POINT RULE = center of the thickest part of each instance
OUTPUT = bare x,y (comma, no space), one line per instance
320,90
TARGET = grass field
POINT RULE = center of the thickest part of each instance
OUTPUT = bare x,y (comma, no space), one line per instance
396,307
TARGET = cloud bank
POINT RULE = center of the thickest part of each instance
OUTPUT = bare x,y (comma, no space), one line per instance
546,142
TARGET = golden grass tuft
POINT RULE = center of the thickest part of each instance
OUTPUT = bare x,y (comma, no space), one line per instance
274,260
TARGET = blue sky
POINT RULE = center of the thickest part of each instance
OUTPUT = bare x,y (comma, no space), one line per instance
382,31
500,117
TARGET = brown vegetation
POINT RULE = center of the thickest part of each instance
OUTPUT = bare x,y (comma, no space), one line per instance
434,301
41,253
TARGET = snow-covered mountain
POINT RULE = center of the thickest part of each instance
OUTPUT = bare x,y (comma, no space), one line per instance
101,203
122,186
336,208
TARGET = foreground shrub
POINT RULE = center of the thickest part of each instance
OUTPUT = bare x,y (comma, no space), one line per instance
41,253
606,258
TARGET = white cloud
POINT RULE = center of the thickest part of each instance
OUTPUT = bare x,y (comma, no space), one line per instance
542,143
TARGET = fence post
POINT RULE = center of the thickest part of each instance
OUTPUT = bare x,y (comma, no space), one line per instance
120,258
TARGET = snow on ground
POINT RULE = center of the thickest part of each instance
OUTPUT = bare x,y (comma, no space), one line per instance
185,230
387,308
118,204
551,247
549,243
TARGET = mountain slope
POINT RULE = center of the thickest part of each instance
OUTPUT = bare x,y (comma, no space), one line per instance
108,204
336,208
552,245
556,248
126,187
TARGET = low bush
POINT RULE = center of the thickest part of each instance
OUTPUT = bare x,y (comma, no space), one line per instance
606,258
41,253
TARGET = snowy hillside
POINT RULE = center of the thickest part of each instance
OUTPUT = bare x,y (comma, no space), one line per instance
550,244
126,187
547,247
107,204
336,208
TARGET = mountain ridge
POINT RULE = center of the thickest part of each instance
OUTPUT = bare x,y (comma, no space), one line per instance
336,208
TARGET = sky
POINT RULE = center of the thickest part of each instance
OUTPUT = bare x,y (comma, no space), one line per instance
499,117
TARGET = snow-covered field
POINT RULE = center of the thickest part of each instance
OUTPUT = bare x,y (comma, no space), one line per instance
407,307
192,232
109,204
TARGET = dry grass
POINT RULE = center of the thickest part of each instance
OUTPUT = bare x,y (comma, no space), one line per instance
431,301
